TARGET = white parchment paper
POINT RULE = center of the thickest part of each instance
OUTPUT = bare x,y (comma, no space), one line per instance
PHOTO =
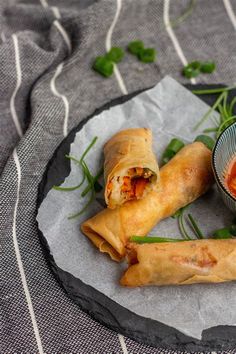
169,110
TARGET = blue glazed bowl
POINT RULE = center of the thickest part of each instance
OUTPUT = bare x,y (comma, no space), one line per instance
223,154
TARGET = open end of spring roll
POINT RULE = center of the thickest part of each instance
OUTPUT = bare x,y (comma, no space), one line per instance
179,263
130,168
182,180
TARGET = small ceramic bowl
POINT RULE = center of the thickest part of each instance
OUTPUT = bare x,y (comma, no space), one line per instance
223,154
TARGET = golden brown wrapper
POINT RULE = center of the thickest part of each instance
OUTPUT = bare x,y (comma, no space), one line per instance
182,180
128,149
179,263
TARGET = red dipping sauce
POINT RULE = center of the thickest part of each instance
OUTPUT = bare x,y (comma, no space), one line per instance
230,178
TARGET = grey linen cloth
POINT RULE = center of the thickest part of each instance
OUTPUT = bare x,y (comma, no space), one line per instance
46,88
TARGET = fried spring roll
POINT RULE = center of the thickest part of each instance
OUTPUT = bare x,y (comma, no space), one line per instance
182,180
130,168
178,263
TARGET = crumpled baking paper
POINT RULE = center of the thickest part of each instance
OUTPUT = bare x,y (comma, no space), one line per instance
169,110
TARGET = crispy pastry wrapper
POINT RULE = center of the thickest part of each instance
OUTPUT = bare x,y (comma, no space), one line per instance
128,155
179,263
182,180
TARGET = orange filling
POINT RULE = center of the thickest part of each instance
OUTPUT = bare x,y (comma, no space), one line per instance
135,187
231,178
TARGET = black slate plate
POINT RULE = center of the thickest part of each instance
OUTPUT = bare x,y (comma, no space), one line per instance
102,308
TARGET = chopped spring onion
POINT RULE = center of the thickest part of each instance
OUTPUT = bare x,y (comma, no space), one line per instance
208,67
206,140
147,55
172,148
115,54
103,66
135,47
192,69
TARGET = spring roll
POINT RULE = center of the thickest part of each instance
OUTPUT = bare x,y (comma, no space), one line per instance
179,263
130,167
182,180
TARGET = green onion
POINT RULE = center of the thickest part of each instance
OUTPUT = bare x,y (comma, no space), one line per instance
153,239
90,181
184,16
195,227
222,233
204,118
103,66
135,47
206,140
115,54
208,67
69,189
192,69
172,148
97,186
182,226
213,91
147,55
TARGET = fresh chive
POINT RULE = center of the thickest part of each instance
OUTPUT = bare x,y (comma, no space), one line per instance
204,118
206,140
195,227
88,148
69,189
97,186
90,181
213,91
182,227
153,239
184,16
210,130
224,124
231,106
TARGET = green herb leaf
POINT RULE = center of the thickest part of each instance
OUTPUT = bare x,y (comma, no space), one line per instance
103,66
115,54
208,67
147,55
213,91
135,47
206,140
153,239
192,69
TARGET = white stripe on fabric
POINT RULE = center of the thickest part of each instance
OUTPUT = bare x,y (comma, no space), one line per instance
44,3
18,83
64,34
122,344
108,47
3,37
173,36
64,99
19,260
230,12
56,12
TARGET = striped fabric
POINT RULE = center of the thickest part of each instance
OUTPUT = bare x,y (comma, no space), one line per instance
47,87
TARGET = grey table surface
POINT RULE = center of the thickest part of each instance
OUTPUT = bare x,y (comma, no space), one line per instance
46,88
